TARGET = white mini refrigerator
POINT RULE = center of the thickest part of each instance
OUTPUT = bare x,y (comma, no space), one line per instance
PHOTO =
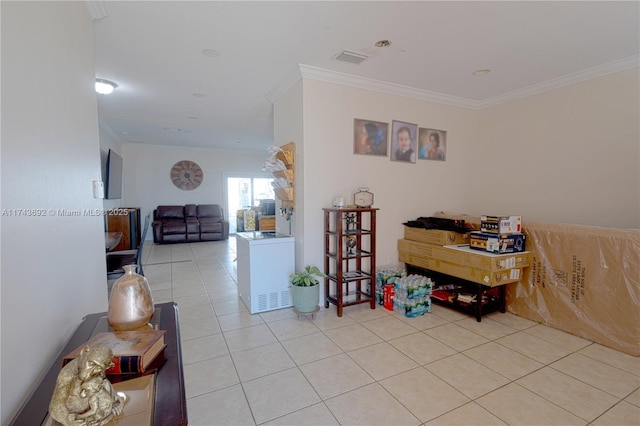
265,261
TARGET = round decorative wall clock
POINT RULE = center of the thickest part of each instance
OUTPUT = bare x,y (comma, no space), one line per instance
186,175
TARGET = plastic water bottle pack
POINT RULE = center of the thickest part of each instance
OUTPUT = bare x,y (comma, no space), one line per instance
386,275
412,295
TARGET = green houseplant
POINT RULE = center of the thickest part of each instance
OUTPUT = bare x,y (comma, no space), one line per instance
305,289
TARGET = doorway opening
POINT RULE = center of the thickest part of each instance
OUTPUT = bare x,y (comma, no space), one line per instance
244,192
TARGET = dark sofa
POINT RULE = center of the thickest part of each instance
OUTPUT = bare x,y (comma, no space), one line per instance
189,223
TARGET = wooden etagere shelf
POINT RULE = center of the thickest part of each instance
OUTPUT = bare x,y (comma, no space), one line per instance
350,260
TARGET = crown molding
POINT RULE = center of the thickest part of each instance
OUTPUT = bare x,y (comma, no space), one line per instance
315,73
567,80
109,131
292,78
97,9
321,74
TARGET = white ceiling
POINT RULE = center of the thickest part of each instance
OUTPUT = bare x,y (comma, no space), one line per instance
153,51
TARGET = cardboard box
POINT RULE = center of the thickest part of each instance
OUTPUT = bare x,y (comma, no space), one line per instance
435,236
497,243
462,253
477,275
501,224
583,280
267,223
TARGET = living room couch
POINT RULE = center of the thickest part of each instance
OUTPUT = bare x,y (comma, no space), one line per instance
189,223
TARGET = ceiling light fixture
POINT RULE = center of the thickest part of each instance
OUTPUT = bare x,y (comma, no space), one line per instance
198,95
480,73
383,43
210,53
353,57
104,87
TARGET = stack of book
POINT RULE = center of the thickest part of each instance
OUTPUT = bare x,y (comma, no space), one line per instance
134,352
466,298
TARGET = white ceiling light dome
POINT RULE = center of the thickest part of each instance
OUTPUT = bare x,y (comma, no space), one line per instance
105,87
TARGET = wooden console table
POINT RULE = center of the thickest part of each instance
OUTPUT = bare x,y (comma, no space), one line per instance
459,269
170,407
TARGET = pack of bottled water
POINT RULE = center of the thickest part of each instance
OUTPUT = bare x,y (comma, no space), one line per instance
412,295
386,275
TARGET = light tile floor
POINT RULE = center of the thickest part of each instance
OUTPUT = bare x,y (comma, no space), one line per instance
376,367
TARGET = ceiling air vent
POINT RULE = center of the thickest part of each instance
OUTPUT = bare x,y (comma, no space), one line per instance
353,57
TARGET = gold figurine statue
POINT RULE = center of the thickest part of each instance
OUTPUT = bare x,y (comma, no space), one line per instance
83,396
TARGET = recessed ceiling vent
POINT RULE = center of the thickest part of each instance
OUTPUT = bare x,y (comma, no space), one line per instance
353,57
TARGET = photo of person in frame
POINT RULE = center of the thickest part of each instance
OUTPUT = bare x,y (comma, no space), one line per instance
433,144
370,137
404,146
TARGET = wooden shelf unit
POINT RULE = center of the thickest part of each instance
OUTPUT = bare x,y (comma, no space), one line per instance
350,270
487,298
127,221
287,156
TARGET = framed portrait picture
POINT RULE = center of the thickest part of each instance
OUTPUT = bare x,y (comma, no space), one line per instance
370,137
404,146
432,144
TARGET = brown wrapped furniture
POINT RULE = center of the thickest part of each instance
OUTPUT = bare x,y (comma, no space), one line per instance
189,223
584,280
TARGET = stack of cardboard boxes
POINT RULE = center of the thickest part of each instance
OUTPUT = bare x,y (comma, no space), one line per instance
450,256
449,253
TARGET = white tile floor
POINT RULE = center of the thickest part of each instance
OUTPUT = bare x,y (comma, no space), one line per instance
375,367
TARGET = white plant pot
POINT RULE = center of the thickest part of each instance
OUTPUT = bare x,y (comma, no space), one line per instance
305,299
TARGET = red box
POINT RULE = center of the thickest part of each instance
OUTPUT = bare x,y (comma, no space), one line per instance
387,296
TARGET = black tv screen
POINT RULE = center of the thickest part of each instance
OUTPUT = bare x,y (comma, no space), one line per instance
113,188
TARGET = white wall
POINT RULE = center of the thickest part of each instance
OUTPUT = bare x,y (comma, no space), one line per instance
403,191
147,183
53,266
570,155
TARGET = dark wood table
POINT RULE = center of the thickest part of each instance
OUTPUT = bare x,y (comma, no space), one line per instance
496,302
170,407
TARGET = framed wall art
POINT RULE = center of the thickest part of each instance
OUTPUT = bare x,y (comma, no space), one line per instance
432,144
404,144
370,137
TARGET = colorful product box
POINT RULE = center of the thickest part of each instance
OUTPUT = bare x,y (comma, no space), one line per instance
497,243
501,224
388,296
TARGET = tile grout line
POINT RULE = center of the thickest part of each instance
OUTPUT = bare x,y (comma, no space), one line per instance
448,321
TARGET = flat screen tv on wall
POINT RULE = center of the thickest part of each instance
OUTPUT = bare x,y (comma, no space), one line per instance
113,188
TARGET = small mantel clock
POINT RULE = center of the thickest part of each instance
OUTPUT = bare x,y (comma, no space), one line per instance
363,198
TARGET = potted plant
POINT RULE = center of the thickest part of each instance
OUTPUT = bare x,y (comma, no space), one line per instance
305,290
